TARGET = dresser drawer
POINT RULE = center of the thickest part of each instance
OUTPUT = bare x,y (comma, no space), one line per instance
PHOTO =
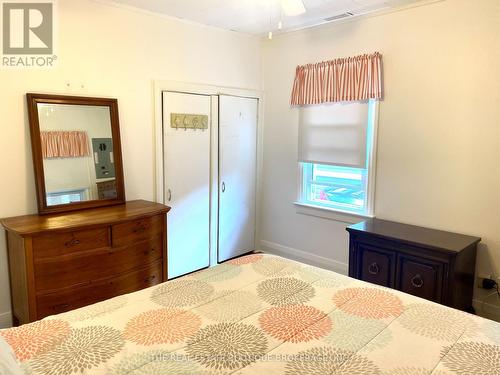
73,298
57,244
77,269
137,230
376,265
420,277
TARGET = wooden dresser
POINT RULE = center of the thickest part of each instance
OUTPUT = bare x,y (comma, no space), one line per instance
432,264
62,262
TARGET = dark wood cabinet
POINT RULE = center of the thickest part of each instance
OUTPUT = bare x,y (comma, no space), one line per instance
65,261
432,264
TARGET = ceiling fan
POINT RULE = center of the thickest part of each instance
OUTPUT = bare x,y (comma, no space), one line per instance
290,8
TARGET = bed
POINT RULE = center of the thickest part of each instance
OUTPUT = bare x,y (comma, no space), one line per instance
260,314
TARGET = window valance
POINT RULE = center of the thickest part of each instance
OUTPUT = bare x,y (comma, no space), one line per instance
64,144
348,79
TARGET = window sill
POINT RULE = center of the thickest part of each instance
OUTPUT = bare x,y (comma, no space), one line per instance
330,213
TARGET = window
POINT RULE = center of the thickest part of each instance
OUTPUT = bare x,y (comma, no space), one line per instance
336,152
65,197
335,187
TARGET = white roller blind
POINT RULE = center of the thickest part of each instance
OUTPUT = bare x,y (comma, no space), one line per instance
334,133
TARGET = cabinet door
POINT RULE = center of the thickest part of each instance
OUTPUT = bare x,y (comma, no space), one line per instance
237,175
187,183
376,265
420,277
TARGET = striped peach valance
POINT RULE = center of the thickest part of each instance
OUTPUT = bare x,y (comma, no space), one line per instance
64,144
348,79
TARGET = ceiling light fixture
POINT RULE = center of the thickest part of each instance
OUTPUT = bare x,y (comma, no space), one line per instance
280,23
270,34
293,7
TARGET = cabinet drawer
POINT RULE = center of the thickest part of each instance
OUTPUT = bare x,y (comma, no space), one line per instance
75,269
376,265
420,277
73,298
137,230
57,244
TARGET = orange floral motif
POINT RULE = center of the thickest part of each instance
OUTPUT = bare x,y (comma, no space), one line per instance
246,259
36,338
164,326
295,323
368,303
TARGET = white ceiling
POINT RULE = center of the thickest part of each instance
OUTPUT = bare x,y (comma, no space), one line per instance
259,16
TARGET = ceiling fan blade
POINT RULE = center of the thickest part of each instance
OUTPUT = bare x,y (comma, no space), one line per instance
293,7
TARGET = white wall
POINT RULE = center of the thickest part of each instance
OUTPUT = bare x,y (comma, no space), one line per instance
439,127
113,52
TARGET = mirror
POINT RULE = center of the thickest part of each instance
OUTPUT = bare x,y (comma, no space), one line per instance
76,152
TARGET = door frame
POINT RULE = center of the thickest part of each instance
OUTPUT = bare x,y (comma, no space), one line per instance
159,86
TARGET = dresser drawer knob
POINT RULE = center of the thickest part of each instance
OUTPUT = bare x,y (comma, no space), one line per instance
147,252
374,269
73,242
150,278
141,228
417,281
60,307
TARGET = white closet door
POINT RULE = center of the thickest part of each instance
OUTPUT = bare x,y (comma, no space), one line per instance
187,185
237,175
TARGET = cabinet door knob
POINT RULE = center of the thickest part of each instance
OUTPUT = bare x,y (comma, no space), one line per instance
374,269
223,187
417,281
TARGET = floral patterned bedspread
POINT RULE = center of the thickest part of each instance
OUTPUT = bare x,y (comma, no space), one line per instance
260,314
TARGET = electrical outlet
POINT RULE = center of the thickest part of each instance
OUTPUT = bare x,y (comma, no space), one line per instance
489,284
487,281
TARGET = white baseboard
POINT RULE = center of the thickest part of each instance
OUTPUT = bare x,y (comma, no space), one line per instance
486,310
6,320
305,257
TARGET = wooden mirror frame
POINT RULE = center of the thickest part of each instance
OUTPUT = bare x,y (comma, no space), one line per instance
33,101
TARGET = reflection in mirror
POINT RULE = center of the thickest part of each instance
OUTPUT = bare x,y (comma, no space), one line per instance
77,150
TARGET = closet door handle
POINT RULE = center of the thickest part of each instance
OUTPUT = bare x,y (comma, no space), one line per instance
169,195
223,187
